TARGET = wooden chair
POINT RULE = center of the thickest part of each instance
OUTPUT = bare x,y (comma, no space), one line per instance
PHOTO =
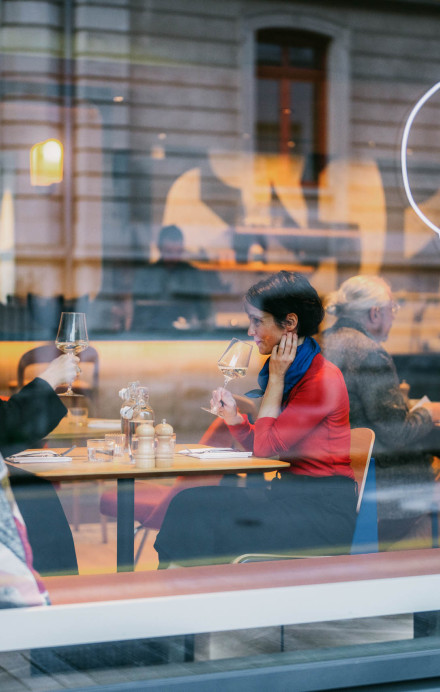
361,447
34,361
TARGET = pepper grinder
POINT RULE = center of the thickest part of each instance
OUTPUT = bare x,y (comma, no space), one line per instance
144,454
165,440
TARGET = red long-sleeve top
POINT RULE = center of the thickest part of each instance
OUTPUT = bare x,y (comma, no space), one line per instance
312,432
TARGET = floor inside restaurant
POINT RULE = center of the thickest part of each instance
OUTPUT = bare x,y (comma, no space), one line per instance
27,671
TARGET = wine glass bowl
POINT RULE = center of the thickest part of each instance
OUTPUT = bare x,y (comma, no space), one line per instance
233,363
72,338
235,360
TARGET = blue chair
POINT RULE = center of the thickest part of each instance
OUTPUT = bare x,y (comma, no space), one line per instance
365,539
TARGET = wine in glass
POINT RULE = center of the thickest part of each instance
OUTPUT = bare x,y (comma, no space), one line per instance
233,363
72,338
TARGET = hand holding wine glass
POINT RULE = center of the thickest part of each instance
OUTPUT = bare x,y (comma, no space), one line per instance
61,370
233,363
72,337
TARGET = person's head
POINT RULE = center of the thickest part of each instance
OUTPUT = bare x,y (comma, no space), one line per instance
170,244
367,300
284,302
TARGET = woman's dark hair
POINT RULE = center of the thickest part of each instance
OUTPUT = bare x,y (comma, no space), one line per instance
287,292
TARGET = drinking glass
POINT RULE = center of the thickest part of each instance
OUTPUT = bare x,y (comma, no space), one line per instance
78,415
100,450
72,338
118,440
233,363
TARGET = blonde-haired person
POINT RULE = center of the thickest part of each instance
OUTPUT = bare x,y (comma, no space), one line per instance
365,309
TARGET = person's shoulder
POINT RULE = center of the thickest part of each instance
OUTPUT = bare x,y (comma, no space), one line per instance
323,367
345,335
350,342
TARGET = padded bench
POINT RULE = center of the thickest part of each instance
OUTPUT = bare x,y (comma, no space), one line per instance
136,605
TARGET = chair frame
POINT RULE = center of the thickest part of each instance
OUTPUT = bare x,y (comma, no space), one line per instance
361,448
47,352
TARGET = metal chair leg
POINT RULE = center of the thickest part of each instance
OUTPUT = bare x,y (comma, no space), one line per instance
434,527
142,543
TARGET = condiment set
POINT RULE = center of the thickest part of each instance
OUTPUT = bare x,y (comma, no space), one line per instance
147,445
155,446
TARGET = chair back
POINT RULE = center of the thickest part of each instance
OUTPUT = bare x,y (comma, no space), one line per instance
361,446
42,355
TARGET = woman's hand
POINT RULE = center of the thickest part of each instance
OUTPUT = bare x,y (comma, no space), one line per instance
281,359
224,404
62,370
283,356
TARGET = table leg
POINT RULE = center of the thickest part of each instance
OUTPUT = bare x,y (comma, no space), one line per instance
125,528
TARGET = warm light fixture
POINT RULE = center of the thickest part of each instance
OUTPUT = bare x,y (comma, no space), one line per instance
404,152
46,162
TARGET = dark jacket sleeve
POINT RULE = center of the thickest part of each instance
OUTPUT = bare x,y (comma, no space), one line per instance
28,416
384,405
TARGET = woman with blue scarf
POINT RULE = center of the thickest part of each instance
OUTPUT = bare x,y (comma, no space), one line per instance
303,419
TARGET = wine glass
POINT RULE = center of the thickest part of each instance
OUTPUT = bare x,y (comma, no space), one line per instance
72,338
233,363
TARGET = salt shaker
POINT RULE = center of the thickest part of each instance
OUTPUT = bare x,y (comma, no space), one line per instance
144,454
165,439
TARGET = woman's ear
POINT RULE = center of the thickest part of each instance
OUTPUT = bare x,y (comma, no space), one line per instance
291,322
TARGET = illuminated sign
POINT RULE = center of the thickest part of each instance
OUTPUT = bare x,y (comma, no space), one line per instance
403,156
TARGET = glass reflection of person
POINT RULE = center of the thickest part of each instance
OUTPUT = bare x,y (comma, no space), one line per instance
171,292
303,418
365,310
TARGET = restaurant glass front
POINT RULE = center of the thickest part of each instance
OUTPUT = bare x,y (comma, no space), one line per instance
263,136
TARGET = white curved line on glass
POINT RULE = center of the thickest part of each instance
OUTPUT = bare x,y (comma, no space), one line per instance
403,156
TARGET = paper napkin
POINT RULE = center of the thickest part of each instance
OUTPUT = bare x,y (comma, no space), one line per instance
104,423
215,453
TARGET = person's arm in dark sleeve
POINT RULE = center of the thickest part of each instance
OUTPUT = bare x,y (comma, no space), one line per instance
28,416
385,406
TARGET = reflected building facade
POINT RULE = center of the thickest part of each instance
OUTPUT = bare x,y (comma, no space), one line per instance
268,133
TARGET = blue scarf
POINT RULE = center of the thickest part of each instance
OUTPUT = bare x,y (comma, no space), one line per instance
303,359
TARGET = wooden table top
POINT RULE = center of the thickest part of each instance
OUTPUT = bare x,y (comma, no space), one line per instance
81,469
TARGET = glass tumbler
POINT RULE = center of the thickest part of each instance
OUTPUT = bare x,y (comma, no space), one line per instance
100,450
78,415
119,442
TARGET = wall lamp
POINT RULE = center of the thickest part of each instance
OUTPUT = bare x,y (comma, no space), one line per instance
46,162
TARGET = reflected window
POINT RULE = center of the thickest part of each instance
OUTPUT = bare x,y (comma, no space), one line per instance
290,97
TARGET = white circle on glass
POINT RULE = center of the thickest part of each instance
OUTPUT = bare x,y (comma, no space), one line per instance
403,156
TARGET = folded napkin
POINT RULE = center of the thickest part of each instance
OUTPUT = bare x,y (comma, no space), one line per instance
215,453
421,402
37,456
104,423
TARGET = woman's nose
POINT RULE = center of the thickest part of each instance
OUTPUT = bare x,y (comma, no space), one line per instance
251,331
